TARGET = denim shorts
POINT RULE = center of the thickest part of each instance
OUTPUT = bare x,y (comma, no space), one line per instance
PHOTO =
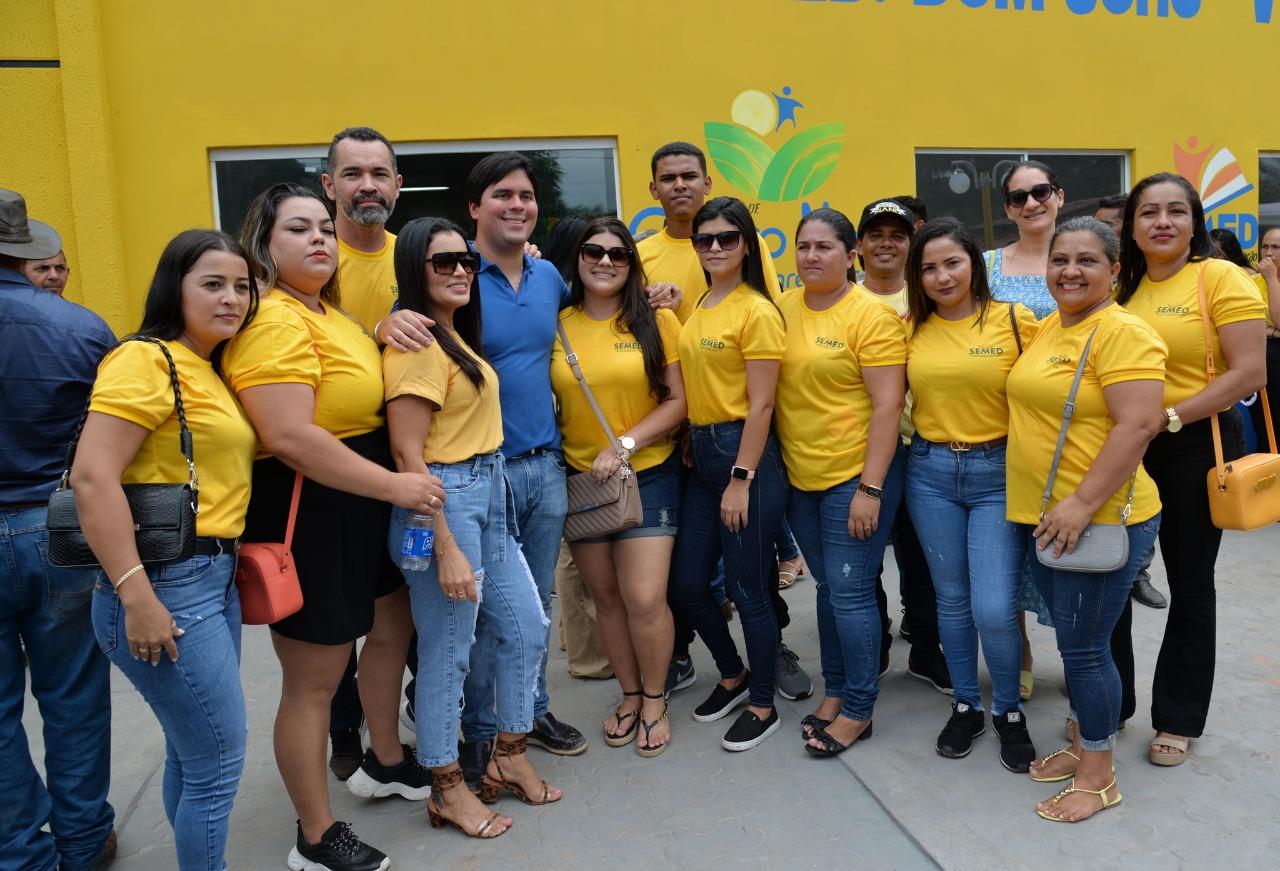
660,499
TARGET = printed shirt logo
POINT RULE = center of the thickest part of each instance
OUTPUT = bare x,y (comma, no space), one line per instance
711,344
824,342
1172,310
986,352
1058,359
626,346
797,168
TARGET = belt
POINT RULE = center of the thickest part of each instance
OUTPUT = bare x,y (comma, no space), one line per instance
536,452
215,546
962,447
23,506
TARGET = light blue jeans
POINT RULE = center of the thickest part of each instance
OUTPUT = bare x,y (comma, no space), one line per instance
198,699
845,570
1086,608
46,609
957,502
477,509
539,501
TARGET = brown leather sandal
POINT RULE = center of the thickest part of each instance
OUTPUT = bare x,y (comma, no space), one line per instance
435,808
489,785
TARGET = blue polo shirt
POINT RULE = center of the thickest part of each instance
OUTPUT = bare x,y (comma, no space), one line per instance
49,354
518,332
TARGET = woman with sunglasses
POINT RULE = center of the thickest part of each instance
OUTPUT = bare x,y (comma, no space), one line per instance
961,349
840,395
1165,260
174,629
1032,198
736,495
629,356
310,379
445,420
1099,479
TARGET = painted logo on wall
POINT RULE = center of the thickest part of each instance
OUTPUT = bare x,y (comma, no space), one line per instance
1218,177
747,159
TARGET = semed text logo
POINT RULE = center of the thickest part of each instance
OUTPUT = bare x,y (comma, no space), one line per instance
1172,310
1058,359
985,352
824,342
711,344
626,346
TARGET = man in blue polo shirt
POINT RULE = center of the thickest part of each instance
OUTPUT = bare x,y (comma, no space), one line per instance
49,353
521,298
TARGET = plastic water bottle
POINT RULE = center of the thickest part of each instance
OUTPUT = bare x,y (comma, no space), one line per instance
416,546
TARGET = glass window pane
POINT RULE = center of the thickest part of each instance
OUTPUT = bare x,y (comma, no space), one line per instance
1268,191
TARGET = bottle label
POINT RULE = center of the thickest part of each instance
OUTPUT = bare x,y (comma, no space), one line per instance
417,543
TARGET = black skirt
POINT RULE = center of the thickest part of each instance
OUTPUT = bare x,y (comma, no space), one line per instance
339,546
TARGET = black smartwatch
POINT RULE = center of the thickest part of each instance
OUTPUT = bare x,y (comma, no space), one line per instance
873,492
742,473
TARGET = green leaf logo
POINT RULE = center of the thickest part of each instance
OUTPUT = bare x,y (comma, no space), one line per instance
797,169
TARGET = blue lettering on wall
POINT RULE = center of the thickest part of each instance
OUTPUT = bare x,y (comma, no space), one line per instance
1244,225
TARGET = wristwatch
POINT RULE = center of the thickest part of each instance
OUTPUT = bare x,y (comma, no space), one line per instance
742,473
1172,423
628,444
872,491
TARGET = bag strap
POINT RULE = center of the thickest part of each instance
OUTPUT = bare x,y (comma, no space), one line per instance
184,434
1013,322
572,359
293,510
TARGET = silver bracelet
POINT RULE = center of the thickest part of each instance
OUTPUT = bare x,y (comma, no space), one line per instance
115,585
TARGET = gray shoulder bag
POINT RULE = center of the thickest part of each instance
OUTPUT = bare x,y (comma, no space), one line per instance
598,509
1102,547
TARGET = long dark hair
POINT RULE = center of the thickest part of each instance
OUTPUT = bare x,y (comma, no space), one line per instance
1049,174
162,314
561,250
1133,263
1228,245
733,211
411,275
840,225
634,314
919,306
255,234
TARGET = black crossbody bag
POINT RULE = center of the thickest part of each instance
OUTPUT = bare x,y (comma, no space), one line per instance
164,515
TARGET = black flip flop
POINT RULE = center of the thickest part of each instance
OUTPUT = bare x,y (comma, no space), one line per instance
830,746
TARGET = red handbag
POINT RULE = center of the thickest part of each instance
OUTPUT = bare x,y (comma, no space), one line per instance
266,576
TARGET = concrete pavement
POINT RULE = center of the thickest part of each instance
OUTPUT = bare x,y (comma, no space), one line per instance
889,803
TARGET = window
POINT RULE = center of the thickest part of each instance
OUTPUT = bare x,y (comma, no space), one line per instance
575,177
1268,192
966,185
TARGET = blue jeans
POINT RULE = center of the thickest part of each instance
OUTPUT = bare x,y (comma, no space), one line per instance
957,500
198,699
537,492
46,609
1085,609
750,555
846,570
478,510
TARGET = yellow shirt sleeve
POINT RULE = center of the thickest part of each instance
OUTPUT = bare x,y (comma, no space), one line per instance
423,373
763,334
276,348
669,329
1028,326
133,384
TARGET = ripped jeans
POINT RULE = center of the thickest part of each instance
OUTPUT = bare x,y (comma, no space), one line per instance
477,509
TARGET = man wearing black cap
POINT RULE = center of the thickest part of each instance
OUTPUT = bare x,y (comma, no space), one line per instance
884,236
49,353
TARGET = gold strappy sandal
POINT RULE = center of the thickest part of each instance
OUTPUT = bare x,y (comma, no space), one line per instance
489,785
629,734
1100,793
648,727
435,807
1065,751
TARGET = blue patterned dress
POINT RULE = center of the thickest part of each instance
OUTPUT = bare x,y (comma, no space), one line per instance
1033,292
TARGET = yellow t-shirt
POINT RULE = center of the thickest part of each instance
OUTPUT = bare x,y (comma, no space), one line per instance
367,282
673,261
715,344
1261,281
613,366
822,407
466,421
896,301
133,384
288,343
1172,308
957,373
1125,348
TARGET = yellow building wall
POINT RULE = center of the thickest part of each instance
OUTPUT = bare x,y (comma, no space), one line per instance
149,87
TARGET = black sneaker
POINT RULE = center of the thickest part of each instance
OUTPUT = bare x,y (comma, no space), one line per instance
347,753
556,737
749,730
339,850
473,756
930,667
680,674
956,738
1016,749
789,677
722,701
406,778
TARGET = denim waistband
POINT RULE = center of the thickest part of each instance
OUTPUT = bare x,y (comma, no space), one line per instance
723,428
957,447
480,462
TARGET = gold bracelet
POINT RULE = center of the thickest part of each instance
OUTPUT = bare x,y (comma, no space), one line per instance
444,545
115,585
375,331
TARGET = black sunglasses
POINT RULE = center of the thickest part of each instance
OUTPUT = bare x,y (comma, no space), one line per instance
593,254
1040,193
447,262
728,240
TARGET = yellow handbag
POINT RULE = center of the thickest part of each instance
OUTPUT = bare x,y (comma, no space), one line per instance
1244,494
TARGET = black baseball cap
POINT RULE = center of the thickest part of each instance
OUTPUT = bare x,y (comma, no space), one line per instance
890,209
